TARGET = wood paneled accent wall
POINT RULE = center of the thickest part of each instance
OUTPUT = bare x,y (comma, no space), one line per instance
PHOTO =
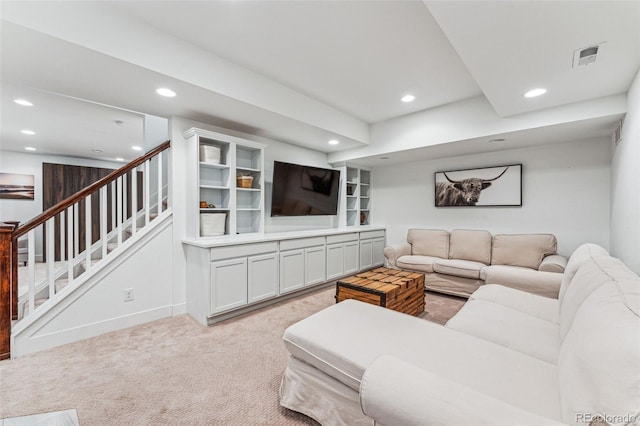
60,181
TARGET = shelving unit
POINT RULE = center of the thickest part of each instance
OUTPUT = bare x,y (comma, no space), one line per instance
357,196
216,180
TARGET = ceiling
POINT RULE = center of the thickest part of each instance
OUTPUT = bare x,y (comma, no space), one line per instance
302,72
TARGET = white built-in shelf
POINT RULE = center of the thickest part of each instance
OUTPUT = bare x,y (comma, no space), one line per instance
213,165
214,209
249,189
247,169
214,187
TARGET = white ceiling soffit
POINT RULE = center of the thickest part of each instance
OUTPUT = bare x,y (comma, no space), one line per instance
358,56
576,132
61,67
511,47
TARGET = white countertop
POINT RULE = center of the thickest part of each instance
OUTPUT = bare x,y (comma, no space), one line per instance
229,240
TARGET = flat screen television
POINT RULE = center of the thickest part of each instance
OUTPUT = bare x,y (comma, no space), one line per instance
304,190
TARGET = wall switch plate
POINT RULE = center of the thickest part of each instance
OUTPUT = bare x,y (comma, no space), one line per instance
128,294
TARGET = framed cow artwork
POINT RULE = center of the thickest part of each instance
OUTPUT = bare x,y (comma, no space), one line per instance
482,187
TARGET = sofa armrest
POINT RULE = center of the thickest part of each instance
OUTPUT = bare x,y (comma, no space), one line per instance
553,263
394,392
393,252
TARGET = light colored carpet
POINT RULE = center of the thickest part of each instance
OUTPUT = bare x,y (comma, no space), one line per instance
173,371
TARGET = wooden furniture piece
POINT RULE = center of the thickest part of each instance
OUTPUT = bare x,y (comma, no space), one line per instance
399,290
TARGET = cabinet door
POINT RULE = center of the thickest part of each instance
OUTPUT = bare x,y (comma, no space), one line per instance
314,265
366,254
263,277
335,261
351,257
291,270
228,284
378,252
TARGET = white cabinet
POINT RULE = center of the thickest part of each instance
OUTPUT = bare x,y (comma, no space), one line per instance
314,265
244,274
342,255
291,270
225,278
225,182
262,279
302,263
371,249
228,284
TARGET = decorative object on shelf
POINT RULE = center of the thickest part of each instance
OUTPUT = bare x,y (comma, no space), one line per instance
16,187
212,224
210,154
351,188
203,204
363,218
500,186
244,181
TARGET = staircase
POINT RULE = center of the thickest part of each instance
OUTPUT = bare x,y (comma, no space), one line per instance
80,239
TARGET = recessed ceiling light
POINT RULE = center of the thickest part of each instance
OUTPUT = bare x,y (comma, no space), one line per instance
119,122
27,132
96,150
384,158
408,98
136,148
334,142
119,159
535,92
29,148
23,102
163,91
497,140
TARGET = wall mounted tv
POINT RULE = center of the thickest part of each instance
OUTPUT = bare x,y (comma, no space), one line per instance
304,190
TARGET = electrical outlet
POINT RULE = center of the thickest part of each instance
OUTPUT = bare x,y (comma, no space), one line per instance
128,294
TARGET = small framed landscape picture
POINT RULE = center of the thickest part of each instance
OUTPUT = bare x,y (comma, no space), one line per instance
16,186
482,187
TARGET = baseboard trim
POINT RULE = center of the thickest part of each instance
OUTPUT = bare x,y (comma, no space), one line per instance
23,345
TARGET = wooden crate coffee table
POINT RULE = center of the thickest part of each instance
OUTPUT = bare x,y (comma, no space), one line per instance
401,291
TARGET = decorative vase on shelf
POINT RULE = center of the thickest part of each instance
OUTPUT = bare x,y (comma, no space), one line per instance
363,218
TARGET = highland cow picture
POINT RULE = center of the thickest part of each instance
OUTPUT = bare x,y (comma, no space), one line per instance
482,187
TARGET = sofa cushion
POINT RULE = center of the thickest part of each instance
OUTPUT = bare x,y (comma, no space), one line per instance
599,358
460,268
553,263
344,339
416,263
450,284
587,279
578,257
528,303
509,328
470,245
429,242
526,250
544,284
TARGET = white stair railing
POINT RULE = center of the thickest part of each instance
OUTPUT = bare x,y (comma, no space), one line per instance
85,241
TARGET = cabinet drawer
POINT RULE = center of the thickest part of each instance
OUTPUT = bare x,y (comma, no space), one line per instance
243,250
371,234
301,243
342,238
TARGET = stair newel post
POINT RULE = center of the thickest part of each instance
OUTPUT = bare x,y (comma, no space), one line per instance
6,270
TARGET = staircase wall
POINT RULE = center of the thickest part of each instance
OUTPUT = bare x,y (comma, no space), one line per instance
98,306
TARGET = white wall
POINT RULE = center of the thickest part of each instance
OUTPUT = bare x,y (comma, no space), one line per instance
565,192
625,181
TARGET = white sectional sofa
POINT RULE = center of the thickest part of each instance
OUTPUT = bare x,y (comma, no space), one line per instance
460,261
508,357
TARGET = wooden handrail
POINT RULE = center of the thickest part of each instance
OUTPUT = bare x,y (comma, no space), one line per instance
66,203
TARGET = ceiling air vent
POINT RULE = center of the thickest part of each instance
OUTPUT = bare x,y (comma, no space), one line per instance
586,55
